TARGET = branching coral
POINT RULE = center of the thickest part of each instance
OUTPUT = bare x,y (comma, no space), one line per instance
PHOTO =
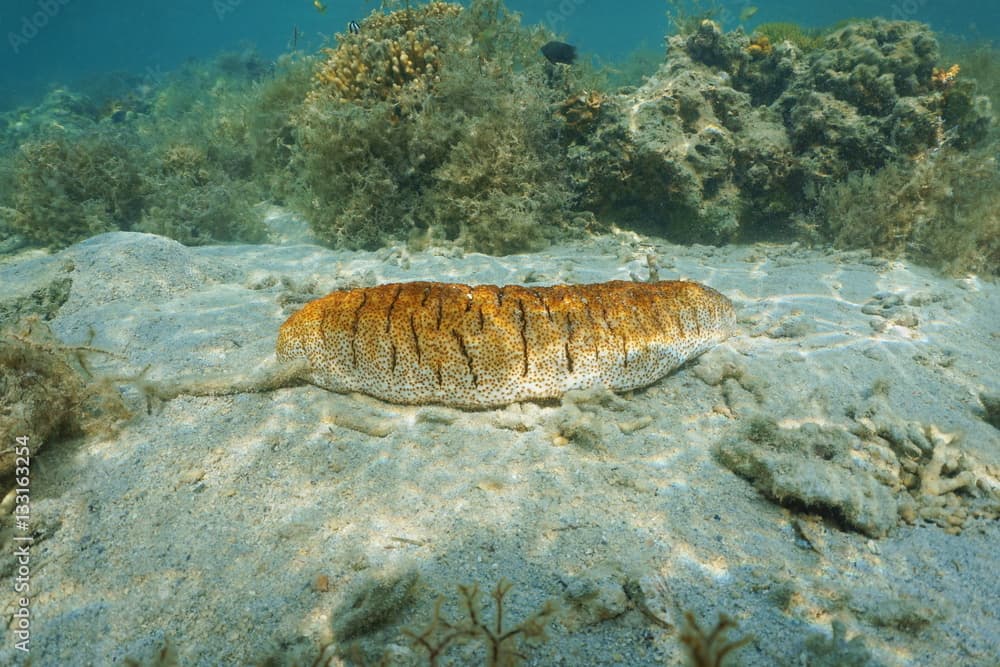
377,68
712,648
501,642
391,51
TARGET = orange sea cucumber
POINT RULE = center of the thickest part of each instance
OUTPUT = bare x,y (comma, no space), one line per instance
483,346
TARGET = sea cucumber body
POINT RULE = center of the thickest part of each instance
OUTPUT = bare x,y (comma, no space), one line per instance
483,346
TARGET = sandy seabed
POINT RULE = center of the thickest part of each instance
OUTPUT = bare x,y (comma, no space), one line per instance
242,526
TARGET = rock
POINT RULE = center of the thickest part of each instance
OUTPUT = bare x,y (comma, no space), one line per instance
811,466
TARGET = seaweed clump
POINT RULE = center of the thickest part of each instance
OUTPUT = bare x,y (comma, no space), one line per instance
187,156
45,392
194,202
940,210
433,124
737,137
68,188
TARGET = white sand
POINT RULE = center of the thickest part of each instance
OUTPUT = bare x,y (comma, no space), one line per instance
216,522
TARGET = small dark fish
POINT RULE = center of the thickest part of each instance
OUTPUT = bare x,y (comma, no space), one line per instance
354,28
559,52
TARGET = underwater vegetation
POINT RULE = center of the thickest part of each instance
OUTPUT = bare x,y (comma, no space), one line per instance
485,627
941,211
191,204
501,640
803,38
685,16
186,157
46,391
434,123
480,634
41,395
70,188
437,123
979,61
710,649
478,631
735,135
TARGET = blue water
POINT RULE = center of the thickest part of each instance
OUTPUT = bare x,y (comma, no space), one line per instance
48,42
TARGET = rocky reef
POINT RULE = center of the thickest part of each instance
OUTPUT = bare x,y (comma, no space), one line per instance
735,135
443,124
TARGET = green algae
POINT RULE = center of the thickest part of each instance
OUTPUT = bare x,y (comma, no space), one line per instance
940,211
802,37
807,135
69,188
467,154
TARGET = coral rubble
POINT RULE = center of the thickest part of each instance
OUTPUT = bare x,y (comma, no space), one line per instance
868,477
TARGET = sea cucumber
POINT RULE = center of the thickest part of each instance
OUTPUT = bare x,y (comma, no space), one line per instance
485,346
